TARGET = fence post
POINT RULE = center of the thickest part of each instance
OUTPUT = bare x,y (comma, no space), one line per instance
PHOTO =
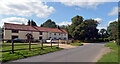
12,46
58,43
42,44
29,45
51,43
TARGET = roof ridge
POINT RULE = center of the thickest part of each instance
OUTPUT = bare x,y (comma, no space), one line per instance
36,28
16,24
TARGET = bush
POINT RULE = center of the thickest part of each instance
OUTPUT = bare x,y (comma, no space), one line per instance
106,39
72,41
79,41
76,44
36,41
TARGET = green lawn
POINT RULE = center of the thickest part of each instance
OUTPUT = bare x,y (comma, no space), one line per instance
7,56
111,56
76,44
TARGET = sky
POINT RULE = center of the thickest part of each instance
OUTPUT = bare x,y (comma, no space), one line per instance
19,11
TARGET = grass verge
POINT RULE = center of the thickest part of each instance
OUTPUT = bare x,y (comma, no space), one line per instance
76,44
7,56
111,56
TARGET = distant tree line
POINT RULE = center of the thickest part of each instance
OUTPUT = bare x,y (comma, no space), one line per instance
85,30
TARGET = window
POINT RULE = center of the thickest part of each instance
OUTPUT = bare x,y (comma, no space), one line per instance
54,33
59,34
49,37
50,33
65,34
13,37
40,38
14,31
60,38
64,38
40,33
55,38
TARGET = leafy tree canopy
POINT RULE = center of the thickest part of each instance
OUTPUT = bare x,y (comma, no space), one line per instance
112,30
83,30
49,23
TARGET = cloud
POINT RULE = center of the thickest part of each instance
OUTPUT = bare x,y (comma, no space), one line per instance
15,20
80,0
64,23
100,27
113,12
25,8
99,20
81,3
112,21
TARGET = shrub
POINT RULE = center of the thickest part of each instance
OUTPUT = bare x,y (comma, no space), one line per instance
106,39
79,41
72,41
37,41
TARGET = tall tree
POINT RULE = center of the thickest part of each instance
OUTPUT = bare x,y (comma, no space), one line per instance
83,30
118,42
33,23
102,31
112,30
77,20
49,23
89,29
28,23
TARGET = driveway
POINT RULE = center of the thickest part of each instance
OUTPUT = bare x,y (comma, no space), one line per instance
65,46
86,53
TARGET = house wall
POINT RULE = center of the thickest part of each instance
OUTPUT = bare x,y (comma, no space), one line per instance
21,34
7,34
45,35
57,36
35,35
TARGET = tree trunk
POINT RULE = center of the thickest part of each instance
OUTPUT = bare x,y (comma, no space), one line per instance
118,42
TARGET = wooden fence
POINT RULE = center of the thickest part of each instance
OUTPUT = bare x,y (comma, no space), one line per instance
30,43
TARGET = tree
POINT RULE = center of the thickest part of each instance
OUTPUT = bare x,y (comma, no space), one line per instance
77,20
49,23
112,30
33,23
89,29
118,38
102,31
23,23
83,30
28,23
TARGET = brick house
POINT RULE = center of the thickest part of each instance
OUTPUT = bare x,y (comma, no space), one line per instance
12,31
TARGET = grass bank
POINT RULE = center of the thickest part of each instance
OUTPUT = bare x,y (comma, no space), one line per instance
76,43
112,56
7,56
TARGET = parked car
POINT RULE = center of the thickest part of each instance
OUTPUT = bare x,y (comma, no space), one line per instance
16,40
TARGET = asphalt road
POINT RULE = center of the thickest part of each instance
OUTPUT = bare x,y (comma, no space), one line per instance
86,53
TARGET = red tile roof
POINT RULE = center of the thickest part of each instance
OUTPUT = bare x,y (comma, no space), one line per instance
10,26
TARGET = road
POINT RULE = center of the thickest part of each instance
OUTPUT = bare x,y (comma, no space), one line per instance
86,53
